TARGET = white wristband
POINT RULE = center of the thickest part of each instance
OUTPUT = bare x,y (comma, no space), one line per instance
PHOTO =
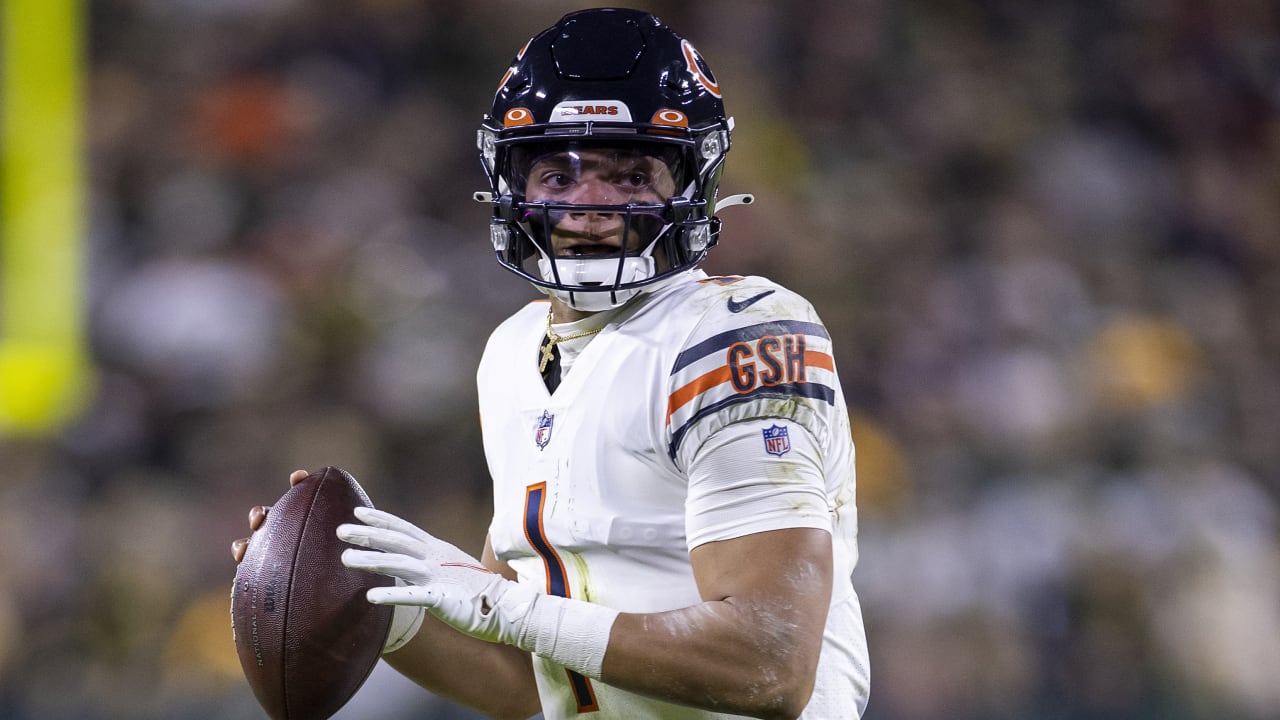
573,633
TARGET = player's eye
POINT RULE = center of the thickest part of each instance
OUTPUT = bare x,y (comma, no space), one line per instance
556,179
634,180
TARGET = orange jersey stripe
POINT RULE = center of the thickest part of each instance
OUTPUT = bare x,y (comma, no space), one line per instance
813,358
678,398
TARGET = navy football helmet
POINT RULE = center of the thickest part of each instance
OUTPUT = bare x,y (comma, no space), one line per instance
618,81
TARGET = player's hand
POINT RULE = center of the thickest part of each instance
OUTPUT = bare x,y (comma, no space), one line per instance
453,586
433,574
258,514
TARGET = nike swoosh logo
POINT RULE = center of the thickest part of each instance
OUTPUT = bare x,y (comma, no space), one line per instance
737,307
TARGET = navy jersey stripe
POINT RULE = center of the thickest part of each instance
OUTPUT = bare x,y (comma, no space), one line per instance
583,694
556,582
749,333
817,391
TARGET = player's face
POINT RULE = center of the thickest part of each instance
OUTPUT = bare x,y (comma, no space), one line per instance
580,176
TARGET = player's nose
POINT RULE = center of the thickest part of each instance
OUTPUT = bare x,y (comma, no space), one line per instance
596,191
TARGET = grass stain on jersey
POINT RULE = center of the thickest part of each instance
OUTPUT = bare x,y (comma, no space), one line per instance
584,574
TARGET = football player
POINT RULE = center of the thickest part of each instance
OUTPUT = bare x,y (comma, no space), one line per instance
674,526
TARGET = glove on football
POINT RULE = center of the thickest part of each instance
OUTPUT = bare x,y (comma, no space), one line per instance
454,587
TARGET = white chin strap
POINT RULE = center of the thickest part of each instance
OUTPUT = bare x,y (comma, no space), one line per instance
595,272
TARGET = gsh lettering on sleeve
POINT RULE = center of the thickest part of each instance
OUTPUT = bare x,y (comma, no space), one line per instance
771,360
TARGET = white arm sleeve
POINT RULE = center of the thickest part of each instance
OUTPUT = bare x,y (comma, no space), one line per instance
738,487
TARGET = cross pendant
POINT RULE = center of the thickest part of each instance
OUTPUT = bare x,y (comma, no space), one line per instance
548,354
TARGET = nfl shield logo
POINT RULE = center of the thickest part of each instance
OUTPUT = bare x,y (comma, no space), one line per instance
776,440
542,435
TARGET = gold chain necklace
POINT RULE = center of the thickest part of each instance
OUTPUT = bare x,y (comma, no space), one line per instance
553,339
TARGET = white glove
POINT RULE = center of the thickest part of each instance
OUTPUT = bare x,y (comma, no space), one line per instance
454,587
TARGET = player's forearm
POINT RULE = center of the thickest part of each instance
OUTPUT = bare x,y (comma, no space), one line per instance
466,671
750,647
724,655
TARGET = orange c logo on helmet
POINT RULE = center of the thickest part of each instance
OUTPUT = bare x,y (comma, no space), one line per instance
696,67
517,116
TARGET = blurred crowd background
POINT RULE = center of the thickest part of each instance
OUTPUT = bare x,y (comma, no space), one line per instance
1045,236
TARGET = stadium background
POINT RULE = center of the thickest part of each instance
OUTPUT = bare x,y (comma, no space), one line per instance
1045,236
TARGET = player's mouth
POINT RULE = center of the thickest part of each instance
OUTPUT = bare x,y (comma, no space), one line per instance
587,244
588,250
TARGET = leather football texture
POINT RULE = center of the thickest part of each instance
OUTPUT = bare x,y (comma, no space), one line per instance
306,636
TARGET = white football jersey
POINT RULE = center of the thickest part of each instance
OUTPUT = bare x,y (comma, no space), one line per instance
593,496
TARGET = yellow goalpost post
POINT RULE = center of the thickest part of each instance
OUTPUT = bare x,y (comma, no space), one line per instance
45,370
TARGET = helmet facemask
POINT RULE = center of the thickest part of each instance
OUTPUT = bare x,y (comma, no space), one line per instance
632,231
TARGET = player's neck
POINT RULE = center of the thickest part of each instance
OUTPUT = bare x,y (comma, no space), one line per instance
562,313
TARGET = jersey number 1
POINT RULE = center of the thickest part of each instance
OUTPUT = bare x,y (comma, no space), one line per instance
535,499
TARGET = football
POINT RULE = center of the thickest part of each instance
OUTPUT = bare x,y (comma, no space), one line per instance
306,636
